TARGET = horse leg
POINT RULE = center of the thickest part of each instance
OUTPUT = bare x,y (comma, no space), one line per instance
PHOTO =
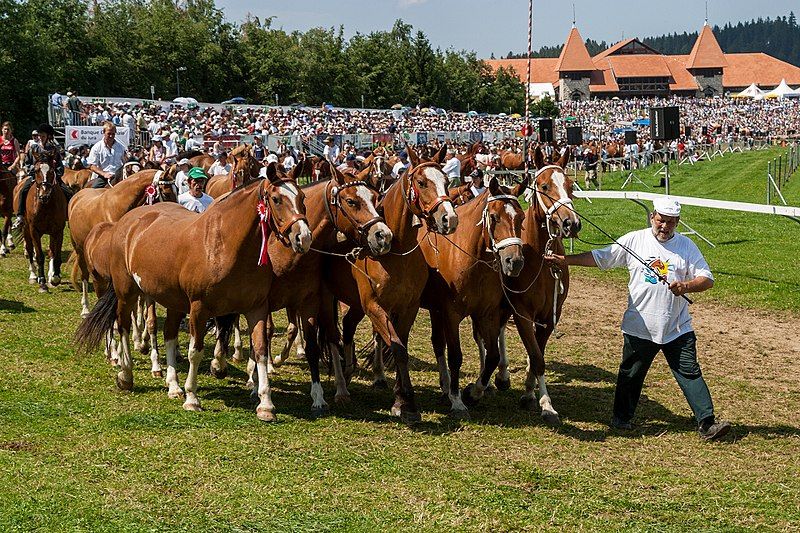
455,358
219,365
378,376
396,337
80,264
124,309
502,379
197,330
535,373
237,341
152,330
291,334
270,333
257,323
350,322
137,326
54,274
479,342
39,254
142,316
171,328
319,407
489,328
5,236
548,411
438,342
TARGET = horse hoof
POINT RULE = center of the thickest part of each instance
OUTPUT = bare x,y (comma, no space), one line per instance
123,384
32,280
157,373
342,399
219,373
277,361
551,418
528,403
490,391
144,349
176,394
55,281
250,385
192,406
84,314
410,418
466,396
319,412
265,415
459,414
380,384
43,289
502,384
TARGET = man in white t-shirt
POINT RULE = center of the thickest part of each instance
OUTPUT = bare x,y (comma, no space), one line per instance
657,318
106,156
182,177
400,166
195,199
452,167
220,166
331,151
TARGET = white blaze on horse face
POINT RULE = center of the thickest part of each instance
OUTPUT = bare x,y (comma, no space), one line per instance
438,178
379,236
301,234
44,168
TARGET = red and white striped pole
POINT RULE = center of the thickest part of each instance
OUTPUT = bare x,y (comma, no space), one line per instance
525,128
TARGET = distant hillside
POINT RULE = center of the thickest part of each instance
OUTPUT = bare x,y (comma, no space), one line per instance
778,37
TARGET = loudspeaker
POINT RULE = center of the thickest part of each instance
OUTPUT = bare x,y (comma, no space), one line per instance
704,131
630,137
664,123
575,135
687,130
546,130
730,129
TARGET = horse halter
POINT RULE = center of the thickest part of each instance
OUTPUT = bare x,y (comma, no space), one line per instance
333,194
44,193
154,191
412,195
548,211
496,247
281,232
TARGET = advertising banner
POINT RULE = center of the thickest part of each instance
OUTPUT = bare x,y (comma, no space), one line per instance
78,135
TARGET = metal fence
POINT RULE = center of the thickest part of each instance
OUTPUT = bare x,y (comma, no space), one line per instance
780,170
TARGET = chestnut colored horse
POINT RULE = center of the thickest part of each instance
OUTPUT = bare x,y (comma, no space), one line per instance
92,206
465,278
179,273
45,214
7,182
536,296
468,162
76,179
244,169
388,288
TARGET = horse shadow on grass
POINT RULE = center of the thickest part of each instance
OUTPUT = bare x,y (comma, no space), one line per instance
15,307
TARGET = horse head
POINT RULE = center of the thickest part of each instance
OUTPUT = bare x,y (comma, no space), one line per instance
353,209
502,226
321,168
553,190
45,177
245,169
426,191
379,175
285,210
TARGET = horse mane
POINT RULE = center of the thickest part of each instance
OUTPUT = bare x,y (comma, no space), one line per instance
188,154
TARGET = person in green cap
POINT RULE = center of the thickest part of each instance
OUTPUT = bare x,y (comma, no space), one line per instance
195,199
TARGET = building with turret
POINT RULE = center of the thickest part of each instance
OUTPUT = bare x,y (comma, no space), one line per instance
631,68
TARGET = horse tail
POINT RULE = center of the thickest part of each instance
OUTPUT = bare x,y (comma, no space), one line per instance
75,276
328,332
92,330
225,325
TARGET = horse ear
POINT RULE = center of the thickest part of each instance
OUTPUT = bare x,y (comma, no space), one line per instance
538,157
368,160
363,174
337,175
296,172
494,186
412,155
440,155
520,187
562,162
272,172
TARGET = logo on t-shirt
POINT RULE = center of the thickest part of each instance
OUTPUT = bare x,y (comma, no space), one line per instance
657,265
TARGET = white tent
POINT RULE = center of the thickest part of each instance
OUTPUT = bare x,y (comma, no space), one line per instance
781,91
751,92
540,90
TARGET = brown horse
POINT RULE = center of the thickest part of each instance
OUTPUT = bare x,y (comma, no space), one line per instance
536,296
468,162
180,274
89,207
76,179
466,273
244,169
97,248
45,214
7,182
388,288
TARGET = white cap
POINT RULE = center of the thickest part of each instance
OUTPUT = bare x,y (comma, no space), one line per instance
667,207
69,93
156,138
183,161
272,158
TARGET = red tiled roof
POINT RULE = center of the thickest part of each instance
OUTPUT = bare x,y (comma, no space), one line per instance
542,68
682,78
759,68
608,51
574,56
706,52
637,66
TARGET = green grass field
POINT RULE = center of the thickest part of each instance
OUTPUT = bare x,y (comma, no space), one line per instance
78,455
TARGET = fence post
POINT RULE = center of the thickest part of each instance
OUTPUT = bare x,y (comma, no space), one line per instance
769,186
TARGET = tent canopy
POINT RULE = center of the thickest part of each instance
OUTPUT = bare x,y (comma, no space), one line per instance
751,92
781,91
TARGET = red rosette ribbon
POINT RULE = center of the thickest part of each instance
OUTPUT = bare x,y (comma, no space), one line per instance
263,214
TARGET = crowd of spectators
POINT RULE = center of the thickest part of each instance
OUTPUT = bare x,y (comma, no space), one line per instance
601,118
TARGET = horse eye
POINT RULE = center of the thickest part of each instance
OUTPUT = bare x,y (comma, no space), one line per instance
351,202
276,199
544,187
422,183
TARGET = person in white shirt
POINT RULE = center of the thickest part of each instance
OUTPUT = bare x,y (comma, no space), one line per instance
476,186
288,161
331,151
452,167
195,199
106,156
400,166
182,177
220,166
657,318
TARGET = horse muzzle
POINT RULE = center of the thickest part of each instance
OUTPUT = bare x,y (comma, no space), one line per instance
511,261
300,237
445,219
379,239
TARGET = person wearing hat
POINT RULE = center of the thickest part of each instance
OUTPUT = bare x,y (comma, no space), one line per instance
476,186
33,140
657,318
46,147
73,107
452,167
400,166
349,164
590,160
182,177
158,153
106,156
220,166
258,150
331,150
195,199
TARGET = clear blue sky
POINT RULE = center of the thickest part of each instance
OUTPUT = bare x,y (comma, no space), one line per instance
500,26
